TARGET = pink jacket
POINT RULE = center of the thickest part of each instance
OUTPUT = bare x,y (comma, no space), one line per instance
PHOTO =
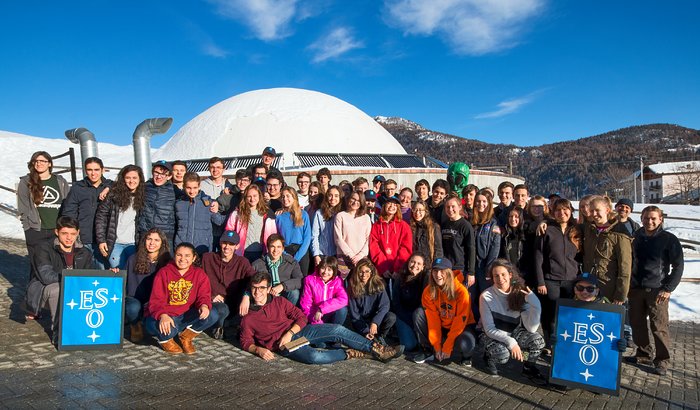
326,297
234,224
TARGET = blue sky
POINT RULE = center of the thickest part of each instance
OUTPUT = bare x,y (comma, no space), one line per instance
523,72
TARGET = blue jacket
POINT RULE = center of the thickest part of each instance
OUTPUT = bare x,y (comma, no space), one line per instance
158,208
194,222
488,245
322,236
368,309
300,235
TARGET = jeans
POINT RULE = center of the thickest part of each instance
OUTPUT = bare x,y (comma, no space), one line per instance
188,319
133,310
120,254
464,343
292,296
382,330
100,261
222,311
407,336
338,317
326,334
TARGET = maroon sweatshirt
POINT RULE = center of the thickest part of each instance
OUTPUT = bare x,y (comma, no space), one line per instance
228,279
265,325
174,294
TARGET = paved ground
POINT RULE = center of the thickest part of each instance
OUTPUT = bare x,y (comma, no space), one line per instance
34,375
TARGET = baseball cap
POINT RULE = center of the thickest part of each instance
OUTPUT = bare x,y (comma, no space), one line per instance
588,277
269,151
442,263
379,178
370,195
163,163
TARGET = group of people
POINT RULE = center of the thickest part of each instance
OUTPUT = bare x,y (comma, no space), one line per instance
322,272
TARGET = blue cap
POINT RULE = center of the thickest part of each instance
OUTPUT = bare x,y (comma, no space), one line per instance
442,263
260,181
230,237
163,163
588,277
269,151
370,195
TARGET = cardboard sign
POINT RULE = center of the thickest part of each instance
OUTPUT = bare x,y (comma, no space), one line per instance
91,309
585,354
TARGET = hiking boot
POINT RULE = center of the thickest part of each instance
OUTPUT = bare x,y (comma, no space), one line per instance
638,360
171,347
386,353
422,356
218,333
661,370
186,340
356,354
490,366
533,373
136,332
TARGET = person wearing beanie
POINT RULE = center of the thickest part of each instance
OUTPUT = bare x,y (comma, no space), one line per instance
624,208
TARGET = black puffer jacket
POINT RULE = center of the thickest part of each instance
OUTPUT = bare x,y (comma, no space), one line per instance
106,220
158,209
81,204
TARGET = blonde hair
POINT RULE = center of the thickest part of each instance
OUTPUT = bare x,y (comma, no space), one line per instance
448,288
294,210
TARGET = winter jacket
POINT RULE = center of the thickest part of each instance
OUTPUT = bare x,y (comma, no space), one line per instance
420,242
106,220
608,255
292,234
28,213
555,256
81,205
139,286
451,314
368,309
322,236
264,325
174,294
458,244
289,271
487,238
194,222
323,297
212,191
498,321
234,224
658,260
390,245
630,226
158,209
513,245
49,262
406,297
228,279
352,234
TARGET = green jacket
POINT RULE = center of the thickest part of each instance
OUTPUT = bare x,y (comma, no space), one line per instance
608,255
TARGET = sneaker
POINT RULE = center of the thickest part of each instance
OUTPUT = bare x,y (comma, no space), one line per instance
638,360
422,357
218,333
661,371
356,354
490,366
386,353
466,362
533,373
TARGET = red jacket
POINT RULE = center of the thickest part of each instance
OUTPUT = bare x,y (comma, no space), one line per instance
174,294
390,244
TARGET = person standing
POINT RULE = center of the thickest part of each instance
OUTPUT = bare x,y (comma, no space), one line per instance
303,183
351,230
657,271
391,240
179,170
196,214
159,203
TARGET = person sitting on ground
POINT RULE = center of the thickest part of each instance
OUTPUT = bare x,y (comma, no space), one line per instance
50,258
510,316
180,303
324,299
274,322
284,270
369,304
151,255
229,275
444,323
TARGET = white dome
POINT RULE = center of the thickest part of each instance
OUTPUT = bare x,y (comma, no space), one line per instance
287,119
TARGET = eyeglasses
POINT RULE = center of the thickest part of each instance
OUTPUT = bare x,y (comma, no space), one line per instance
273,185
589,289
41,161
160,174
259,288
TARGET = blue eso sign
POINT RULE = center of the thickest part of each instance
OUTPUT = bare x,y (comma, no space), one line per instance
91,309
585,353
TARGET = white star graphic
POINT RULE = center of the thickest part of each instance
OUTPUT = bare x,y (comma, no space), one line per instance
114,298
586,374
590,316
611,336
95,283
72,304
93,336
565,335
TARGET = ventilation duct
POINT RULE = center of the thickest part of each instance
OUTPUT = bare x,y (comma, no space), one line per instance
88,144
142,141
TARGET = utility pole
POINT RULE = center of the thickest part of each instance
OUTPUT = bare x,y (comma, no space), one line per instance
641,176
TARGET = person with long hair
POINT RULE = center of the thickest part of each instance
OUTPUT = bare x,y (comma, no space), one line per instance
513,238
151,254
510,316
406,200
253,222
322,233
116,218
458,241
369,303
324,299
487,237
351,230
39,197
584,208
294,226
556,262
315,199
180,302
406,292
444,323
427,237
391,240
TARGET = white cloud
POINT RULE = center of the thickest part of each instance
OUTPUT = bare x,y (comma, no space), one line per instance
472,27
268,19
334,44
213,50
509,106
204,41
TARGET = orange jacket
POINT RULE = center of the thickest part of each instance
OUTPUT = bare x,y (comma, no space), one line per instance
443,313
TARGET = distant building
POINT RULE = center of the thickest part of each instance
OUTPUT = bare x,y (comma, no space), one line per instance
672,182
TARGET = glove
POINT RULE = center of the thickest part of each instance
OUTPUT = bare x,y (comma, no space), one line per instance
621,344
552,340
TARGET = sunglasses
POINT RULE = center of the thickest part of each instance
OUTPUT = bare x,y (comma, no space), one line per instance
589,289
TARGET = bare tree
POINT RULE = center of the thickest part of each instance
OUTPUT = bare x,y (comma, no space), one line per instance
685,181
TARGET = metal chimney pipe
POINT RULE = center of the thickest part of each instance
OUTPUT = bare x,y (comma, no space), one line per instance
142,140
88,144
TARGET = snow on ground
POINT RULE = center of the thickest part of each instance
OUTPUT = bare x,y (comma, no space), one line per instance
18,148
